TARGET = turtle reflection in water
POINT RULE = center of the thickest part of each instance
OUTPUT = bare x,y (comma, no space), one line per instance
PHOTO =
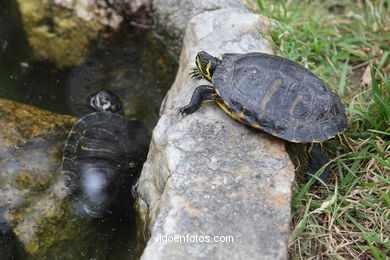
275,95
102,155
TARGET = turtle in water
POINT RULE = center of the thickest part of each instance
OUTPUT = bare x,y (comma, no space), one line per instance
273,94
103,152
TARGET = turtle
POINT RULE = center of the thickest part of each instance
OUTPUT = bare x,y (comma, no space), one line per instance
103,153
275,95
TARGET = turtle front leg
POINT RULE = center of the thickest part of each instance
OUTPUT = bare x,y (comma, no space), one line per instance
317,159
201,93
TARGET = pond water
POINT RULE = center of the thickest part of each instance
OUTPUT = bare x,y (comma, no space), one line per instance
132,63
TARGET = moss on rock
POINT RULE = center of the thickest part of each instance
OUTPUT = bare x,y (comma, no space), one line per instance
33,199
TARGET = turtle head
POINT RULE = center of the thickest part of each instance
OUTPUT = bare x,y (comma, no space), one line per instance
105,101
206,64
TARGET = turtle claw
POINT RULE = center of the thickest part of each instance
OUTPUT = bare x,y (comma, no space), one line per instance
186,110
182,111
195,73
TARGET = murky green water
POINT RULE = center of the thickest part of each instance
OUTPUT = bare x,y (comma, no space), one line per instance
132,63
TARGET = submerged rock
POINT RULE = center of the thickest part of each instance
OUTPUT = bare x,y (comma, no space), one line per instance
57,33
61,30
31,143
207,176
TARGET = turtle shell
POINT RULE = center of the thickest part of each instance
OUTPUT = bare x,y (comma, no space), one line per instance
279,97
97,155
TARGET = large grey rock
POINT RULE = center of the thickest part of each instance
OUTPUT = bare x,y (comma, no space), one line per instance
208,175
33,202
34,207
172,16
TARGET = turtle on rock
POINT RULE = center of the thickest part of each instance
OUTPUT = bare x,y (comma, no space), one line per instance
273,94
103,155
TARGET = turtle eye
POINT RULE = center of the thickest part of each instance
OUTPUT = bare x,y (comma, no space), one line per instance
201,60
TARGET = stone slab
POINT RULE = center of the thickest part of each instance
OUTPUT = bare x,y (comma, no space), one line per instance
206,174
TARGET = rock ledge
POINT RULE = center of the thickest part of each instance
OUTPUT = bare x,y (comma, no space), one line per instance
209,177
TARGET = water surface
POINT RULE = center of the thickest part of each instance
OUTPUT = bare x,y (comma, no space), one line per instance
132,63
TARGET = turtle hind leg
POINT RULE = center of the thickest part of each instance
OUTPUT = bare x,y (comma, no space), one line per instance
317,159
201,93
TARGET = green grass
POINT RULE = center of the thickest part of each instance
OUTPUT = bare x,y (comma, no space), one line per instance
347,44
